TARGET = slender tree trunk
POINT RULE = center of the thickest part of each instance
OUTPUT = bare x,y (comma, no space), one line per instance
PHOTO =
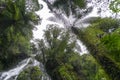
43,56
110,67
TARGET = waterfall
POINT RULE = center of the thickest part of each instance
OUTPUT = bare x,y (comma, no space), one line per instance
62,20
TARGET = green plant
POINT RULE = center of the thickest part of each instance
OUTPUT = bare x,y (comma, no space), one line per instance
31,73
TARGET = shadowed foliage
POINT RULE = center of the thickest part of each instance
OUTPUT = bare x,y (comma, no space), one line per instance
100,43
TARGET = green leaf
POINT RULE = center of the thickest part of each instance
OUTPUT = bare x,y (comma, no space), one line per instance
114,6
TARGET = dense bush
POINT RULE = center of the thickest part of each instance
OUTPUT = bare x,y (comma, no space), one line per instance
112,43
31,73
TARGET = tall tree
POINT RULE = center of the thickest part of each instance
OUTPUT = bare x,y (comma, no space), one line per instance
16,24
61,8
56,49
93,37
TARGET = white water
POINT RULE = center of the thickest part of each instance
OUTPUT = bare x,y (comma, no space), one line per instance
46,16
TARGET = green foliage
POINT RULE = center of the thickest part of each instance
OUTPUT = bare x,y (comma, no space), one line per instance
87,68
112,43
56,41
62,62
66,72
16,25
101,75
93,33
80,3
105,33
57,47
68,6
114,6
103,44
94,71
106,24
31,73
57,3
109,37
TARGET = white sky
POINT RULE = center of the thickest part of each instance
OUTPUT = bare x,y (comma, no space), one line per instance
44,14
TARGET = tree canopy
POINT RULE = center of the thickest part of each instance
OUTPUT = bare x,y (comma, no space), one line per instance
16,25
56,51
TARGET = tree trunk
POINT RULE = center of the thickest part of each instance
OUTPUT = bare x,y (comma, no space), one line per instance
110,67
